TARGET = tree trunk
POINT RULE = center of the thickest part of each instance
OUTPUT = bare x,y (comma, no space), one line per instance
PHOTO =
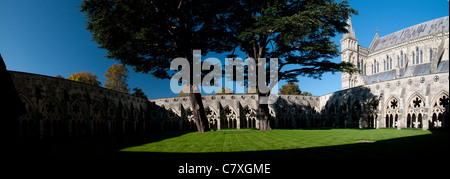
198,110
264,115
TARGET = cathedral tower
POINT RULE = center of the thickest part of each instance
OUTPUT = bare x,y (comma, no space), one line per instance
349,53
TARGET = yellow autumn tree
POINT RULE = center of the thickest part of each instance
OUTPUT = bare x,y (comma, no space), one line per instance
116,78
85,77
184,92
223,91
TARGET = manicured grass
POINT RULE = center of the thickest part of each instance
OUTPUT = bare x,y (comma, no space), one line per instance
278,139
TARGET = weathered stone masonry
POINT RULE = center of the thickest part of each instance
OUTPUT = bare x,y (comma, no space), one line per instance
60,108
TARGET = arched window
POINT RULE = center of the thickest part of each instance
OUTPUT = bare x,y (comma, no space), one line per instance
378,67
363,65
398,61
415,109
372,112
372,69
417,57
401,59
365,69
421,56
375,66
387,62
392,111
390,63
406,59
431,54
440,108
384,65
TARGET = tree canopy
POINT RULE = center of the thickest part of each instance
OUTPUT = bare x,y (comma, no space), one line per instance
116,78
290,89
137,92
85,77
297,32
293,89
148,35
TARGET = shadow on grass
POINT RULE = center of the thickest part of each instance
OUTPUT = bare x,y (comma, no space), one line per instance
428,146
404,152
83,148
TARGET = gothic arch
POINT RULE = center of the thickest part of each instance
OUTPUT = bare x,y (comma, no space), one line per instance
392,108
112,111
51,108
77,110
187,118
125,113
300,114
187,113
29,107
228,117
284,116
415,110
250,117
134,113
29,125
440,111
212,113
342,114
51,117
372,111
213,117
356,113
172,119
172,113
97,111
98,124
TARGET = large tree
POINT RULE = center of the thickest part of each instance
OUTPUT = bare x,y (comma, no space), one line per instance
149,34
116,77
293,89
85,77
297,32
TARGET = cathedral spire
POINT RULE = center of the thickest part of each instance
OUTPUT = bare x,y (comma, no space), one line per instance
351,32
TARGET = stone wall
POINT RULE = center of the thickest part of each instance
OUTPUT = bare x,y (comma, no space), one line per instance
62,108
58,107
237,111
410,102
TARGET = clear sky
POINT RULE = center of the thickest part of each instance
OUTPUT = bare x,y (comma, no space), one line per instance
50,38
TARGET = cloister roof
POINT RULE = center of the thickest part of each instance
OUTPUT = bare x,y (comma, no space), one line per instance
419,69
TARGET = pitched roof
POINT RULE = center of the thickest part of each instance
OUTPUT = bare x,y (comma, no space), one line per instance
422,29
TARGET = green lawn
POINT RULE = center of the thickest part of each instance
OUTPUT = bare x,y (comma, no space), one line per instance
247,145
255,140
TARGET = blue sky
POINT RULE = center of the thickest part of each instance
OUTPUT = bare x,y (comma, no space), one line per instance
50,38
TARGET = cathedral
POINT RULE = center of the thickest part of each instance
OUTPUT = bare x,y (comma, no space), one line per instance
403,82
407,70
417,50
